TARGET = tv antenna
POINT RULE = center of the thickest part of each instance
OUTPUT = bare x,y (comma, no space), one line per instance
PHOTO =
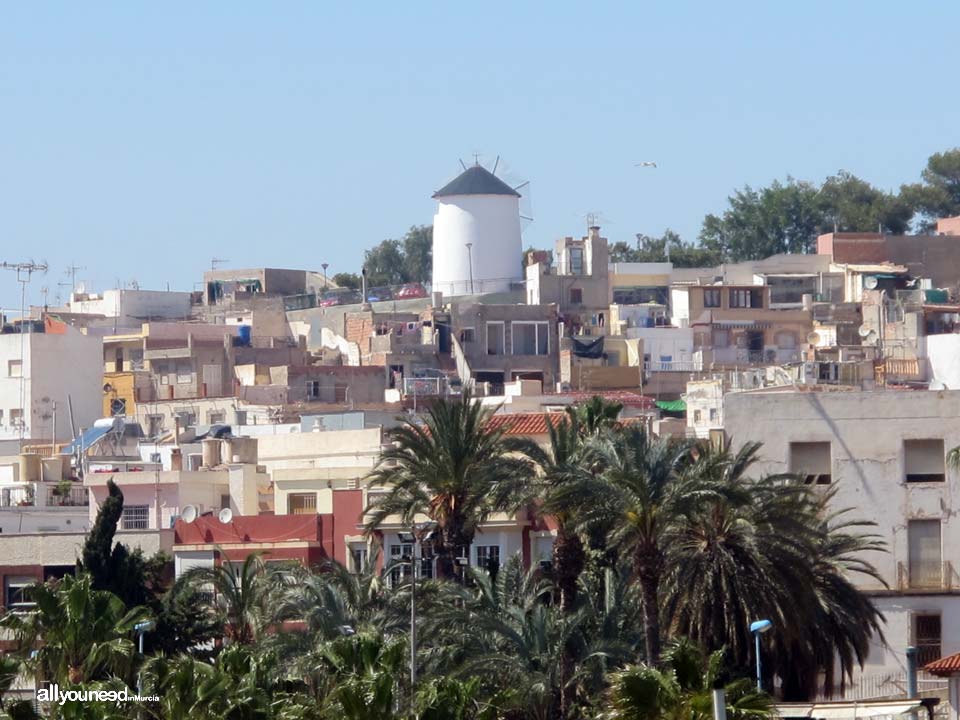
217,262
24,271
71,271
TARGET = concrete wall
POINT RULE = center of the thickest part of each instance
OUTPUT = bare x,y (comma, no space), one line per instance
866,432
64,548
175,490
132,307
45,355
339,448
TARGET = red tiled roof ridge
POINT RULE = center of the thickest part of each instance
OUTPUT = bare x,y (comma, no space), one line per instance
949,665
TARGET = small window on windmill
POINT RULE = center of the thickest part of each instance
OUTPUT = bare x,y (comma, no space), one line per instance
118,407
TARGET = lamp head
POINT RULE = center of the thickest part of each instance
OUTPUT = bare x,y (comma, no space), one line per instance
760,626
144,626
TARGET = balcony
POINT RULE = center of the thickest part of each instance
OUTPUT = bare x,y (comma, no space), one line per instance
929,576
44,495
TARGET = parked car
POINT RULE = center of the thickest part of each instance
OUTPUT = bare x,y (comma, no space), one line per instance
379,294
411,291
344,296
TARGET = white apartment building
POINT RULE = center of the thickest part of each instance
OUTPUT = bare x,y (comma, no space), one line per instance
884,453
41,374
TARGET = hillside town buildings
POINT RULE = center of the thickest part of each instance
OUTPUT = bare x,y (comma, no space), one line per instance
246,416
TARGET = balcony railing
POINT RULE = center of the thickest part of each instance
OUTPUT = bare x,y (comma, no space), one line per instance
22,496
929,575
68,497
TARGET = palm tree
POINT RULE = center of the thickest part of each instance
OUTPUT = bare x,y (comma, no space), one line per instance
79,634
595,415
643,486
242,593
452,469
365,673
768,548
682,689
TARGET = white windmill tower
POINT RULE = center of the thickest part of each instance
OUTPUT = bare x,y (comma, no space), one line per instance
476,234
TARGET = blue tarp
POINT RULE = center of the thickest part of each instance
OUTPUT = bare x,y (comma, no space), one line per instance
87,438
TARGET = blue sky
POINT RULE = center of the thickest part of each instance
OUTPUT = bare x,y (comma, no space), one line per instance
141,141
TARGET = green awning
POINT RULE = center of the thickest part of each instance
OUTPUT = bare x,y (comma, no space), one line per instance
672,405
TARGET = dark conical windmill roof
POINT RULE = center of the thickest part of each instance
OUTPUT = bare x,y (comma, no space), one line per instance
476,180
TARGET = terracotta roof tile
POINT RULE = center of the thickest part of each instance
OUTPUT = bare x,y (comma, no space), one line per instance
949,665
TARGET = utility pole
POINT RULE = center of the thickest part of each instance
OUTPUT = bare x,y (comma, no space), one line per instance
24,271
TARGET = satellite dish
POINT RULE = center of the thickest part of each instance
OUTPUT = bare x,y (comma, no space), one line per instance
813,338
189,514
107,387
225,515
863,331
870,282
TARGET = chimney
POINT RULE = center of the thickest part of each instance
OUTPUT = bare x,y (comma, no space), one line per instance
593,232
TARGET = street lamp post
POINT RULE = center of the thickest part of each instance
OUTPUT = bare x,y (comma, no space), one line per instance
757,628
324,266
421,532
141,629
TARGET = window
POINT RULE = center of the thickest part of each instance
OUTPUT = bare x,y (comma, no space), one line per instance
16,417
711,298
697,416
713,415
495,333
811,460
301,504
744,298
118,407
640,295
216,417
16,592
224,501
358,557
313,389
786,340
15,368
135,517
721,338
188,418
927,637
530,338
923,460
400,557
924,554
154,425
184,372
467,335
488,558
576,296
575,256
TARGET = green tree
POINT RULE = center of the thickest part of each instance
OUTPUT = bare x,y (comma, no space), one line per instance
682,689
418,253
669,247
366,674
452,468
787,217
184,623
243,595
768,548
939,194
641,488
79,634
126,573
384,264
347,280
